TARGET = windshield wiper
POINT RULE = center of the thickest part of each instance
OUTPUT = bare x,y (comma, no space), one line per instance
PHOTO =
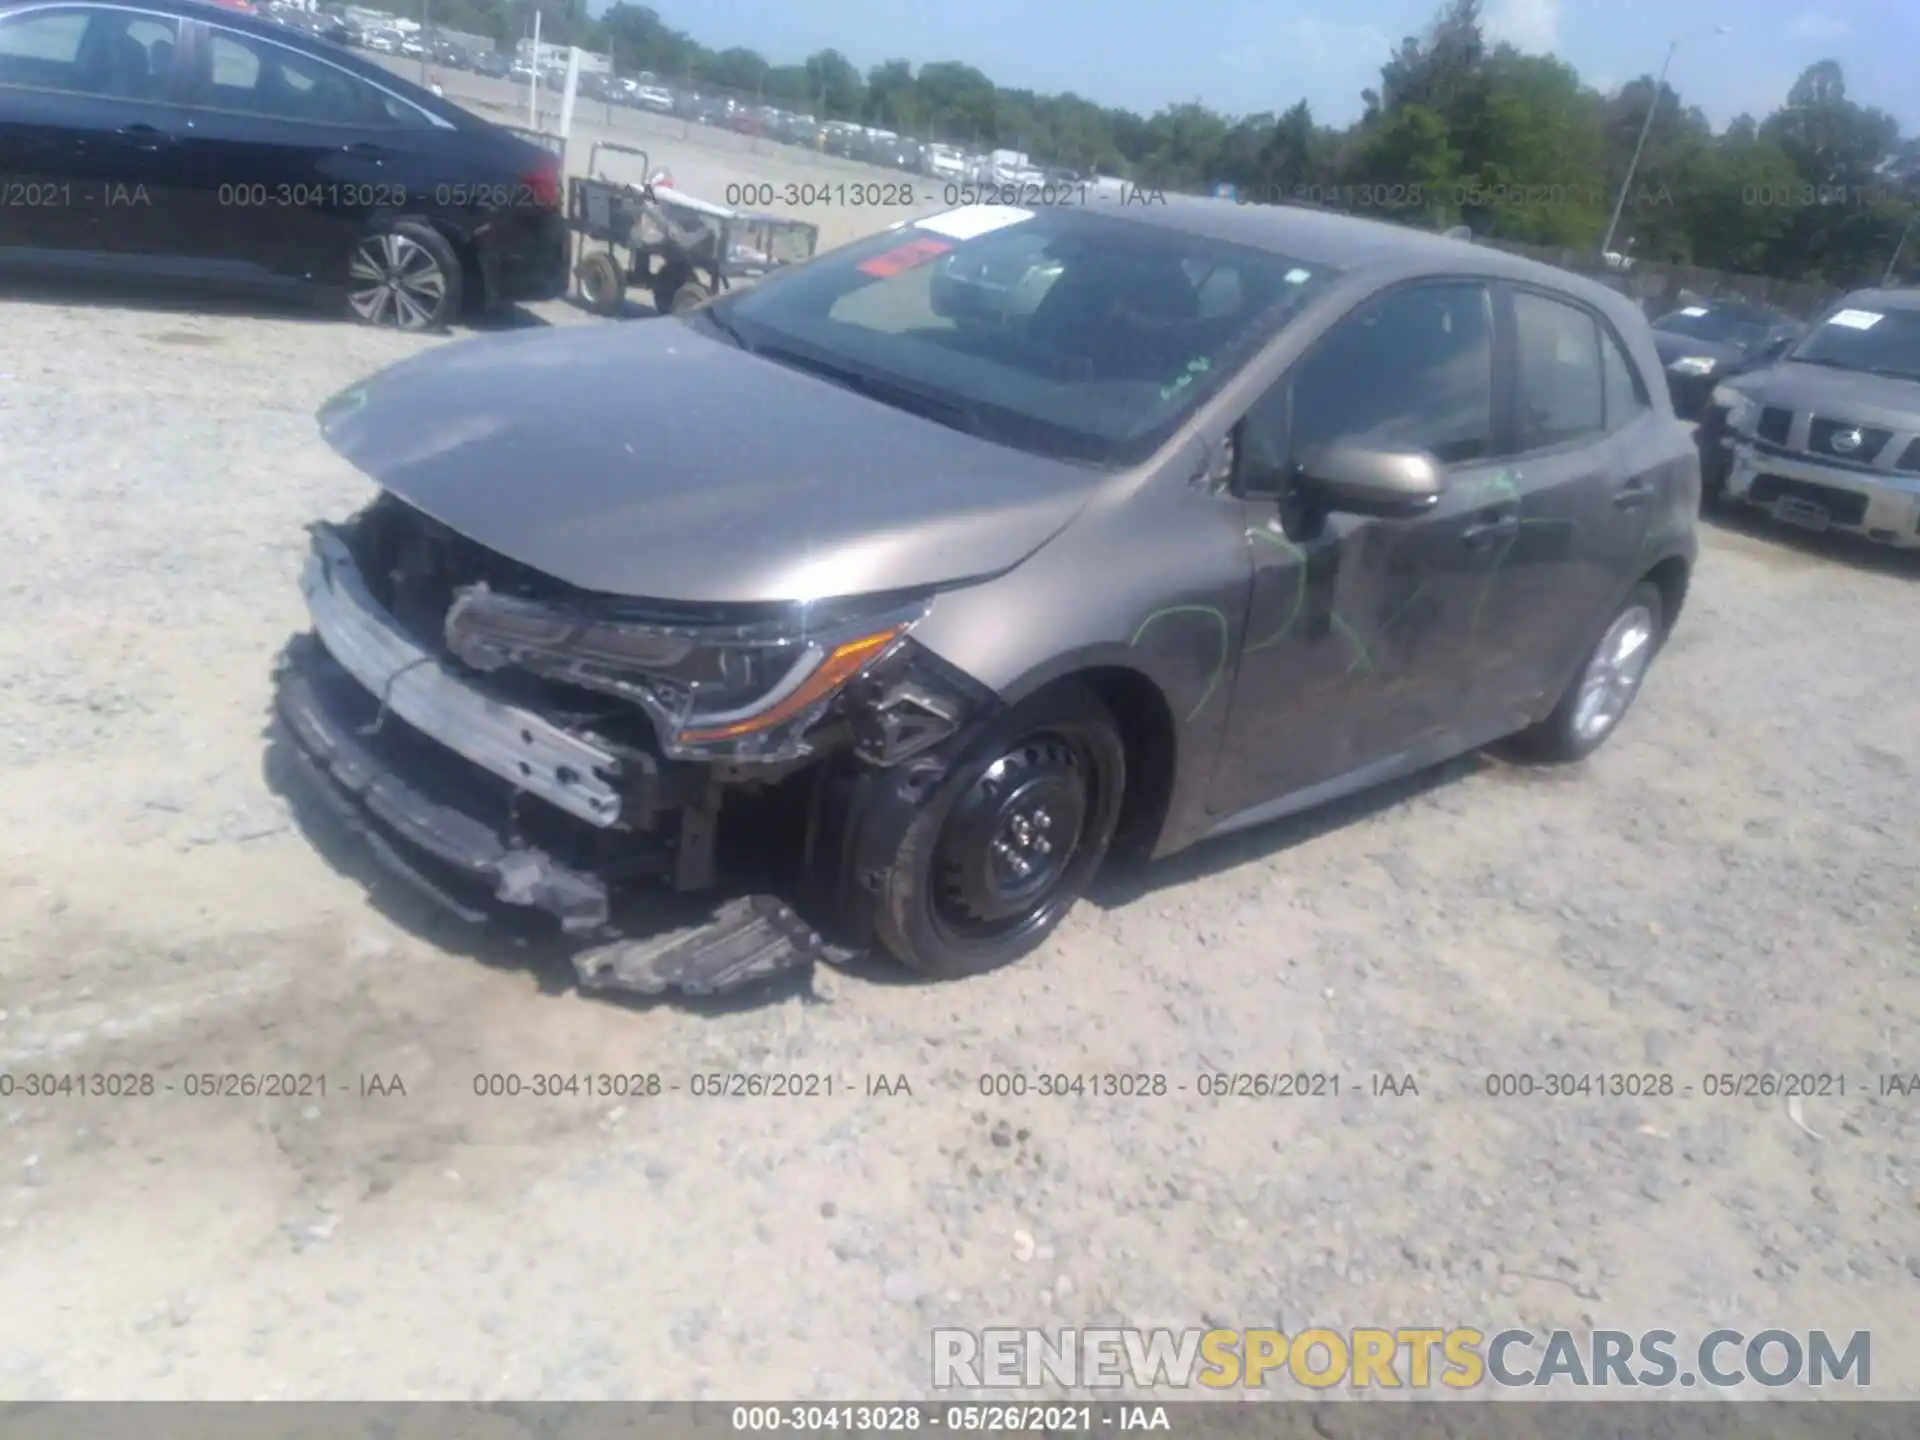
953,415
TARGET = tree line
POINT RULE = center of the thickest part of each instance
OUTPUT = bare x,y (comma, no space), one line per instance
1458,132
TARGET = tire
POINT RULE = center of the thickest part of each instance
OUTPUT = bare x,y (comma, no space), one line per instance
1580,723
690,294
957,902
404,276
603,289
1714,465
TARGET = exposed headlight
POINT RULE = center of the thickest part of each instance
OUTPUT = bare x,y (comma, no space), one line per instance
713,692
1739,406
1694,365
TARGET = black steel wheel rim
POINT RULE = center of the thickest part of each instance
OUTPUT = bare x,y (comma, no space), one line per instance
1010,850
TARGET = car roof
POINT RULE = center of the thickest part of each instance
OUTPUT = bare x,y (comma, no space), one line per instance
1331,240
248,23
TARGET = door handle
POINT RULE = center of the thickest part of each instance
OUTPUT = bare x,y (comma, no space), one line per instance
145,137
1632,495
1485,532
367,150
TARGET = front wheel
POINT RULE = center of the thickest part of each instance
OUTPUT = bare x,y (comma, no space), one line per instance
1599,697
1006,846
404,276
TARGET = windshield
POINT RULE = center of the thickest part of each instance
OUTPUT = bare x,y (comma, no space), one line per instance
1062,332
1719,327
1884,342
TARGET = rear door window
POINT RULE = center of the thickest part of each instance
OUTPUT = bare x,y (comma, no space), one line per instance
1625,396
89,50
250,76
1561,391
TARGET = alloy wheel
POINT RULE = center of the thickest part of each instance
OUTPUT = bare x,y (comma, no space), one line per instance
1614,673
395,281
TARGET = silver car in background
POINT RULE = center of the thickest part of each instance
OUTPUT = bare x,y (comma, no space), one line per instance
1829,439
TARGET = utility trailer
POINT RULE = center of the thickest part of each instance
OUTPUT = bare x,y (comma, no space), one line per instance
652,236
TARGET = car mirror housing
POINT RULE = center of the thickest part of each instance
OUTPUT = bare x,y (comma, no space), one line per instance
1368,480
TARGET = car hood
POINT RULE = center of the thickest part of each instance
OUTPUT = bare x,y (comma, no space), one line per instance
1842,394
1674,346
648,459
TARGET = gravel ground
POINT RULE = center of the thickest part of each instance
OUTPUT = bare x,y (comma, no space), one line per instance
1729,886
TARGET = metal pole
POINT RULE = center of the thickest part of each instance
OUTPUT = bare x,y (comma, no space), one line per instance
1893,264
533,77
1659,89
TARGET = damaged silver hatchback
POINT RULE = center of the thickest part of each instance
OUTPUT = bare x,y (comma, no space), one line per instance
876,607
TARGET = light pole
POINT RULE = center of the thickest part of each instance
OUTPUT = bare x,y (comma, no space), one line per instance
1659,89
1893,265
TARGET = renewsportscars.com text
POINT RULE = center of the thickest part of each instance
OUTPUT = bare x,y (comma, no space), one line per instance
1417,1358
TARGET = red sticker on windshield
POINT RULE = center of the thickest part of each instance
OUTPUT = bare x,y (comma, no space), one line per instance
889,263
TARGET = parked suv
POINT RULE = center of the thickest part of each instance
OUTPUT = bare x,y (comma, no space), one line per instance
1829,439
876,629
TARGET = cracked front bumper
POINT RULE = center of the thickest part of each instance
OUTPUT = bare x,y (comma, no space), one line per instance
515,744
451,842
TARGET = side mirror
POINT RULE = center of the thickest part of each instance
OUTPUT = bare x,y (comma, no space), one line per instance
1364,480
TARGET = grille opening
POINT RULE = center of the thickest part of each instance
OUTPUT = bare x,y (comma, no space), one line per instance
1823,431
1775,425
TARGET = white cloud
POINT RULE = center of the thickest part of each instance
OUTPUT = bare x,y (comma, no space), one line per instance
1529,25
1812,25
1303,42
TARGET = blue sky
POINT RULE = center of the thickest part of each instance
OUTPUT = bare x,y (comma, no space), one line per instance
1246,55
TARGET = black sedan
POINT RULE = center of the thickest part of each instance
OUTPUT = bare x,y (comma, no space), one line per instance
1701,345
185,140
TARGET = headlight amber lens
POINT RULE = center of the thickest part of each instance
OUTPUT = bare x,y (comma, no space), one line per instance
841,666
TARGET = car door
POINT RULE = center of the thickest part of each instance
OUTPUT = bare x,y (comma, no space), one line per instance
293,155
1579,516
89,133
1358,633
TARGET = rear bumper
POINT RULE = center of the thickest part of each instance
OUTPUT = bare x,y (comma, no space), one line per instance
525,258
1881,506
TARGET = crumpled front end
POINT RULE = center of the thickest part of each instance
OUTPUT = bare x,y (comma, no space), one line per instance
499,738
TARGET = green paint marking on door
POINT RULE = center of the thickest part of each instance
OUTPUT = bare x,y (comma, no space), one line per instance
1299,557
1220,663
1361,660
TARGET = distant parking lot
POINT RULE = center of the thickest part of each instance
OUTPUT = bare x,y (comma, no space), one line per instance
1728,887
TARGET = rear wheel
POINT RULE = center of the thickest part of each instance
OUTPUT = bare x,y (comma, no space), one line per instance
404,276
603,289
1600,695
689,294
1006,846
